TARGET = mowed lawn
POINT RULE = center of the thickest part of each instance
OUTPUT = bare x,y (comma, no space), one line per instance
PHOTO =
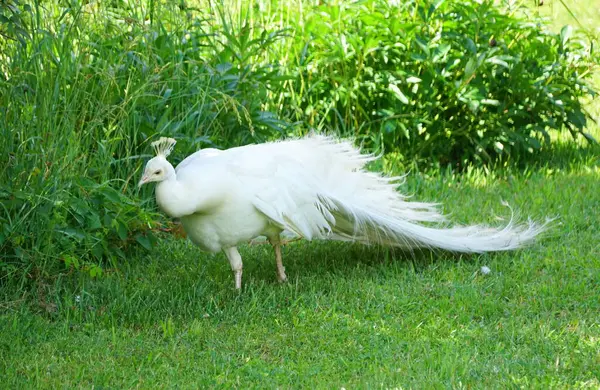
350,316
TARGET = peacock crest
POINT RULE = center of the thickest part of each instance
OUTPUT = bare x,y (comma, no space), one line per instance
164,146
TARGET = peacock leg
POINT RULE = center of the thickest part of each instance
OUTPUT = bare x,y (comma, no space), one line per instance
235,259
281,277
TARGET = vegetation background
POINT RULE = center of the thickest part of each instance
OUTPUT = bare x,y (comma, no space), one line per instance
481,100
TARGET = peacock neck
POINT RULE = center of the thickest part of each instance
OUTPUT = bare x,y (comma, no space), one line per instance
170,196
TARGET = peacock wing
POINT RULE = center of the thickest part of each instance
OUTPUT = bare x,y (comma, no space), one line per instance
287,193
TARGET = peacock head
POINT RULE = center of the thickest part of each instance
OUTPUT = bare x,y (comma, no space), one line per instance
158,168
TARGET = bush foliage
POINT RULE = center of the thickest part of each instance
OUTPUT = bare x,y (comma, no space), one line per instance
83,91
454,81
84,88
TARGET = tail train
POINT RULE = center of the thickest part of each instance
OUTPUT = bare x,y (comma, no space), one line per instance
362,206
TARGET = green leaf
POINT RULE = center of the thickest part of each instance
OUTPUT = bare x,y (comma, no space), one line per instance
95,270
404,130
98,250
223,67
470,46
440,52
167,94
73,233
398,93
93,221
437,4
535,143
490,102
565,34
71,260
497,61
577,118
473,105
413,80
418,57
121,229
161,41
389,127
143,241
110,193
423,45
470,67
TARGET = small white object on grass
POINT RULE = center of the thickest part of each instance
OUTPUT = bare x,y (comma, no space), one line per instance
485,270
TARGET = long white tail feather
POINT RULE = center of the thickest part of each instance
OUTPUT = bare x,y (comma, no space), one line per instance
351,204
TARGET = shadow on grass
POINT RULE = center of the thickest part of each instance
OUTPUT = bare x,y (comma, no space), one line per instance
565,155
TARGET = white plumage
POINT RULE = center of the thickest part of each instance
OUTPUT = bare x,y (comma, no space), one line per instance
316,188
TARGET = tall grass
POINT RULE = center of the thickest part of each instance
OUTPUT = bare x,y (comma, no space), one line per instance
84,92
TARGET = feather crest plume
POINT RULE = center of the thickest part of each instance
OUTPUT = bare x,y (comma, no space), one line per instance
164,146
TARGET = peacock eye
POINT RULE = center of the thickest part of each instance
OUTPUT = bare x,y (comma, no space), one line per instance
157,172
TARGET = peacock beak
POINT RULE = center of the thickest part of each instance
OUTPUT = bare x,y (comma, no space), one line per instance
143,181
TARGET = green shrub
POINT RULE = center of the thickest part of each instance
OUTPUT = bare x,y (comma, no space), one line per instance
452,82
83,91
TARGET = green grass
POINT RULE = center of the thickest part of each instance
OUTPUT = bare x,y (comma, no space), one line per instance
350,316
